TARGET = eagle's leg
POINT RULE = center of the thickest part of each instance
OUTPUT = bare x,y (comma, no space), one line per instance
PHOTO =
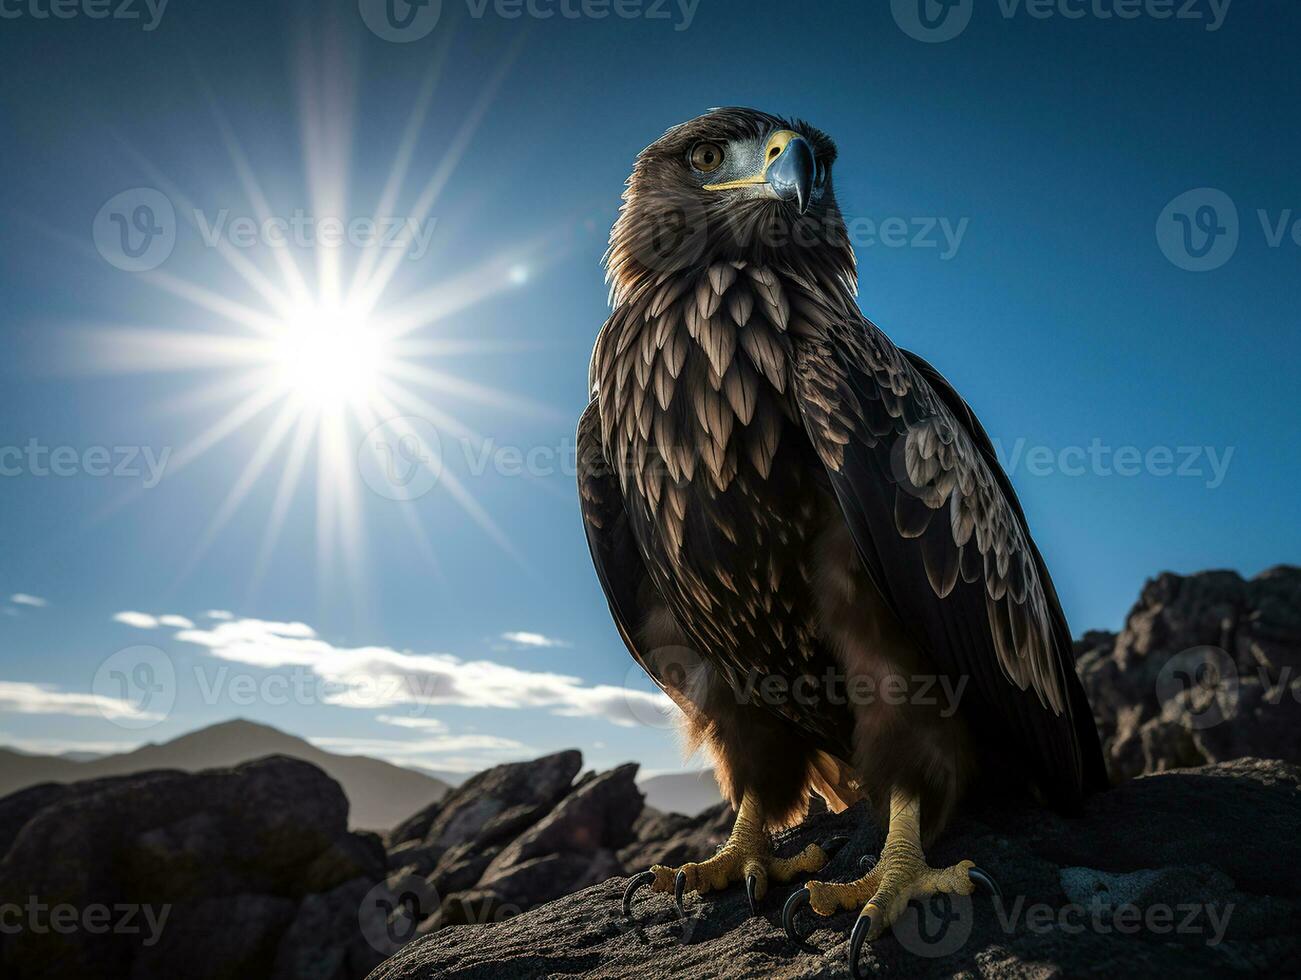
747,856
900,875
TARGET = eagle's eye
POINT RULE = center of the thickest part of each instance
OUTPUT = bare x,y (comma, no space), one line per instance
706,157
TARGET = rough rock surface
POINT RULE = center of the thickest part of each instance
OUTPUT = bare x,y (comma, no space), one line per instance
234,866
522,834
1189,873
1207,668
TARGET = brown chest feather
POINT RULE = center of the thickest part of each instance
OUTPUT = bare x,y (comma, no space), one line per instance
691,377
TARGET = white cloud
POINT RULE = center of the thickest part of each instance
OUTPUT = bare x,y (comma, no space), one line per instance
145,621
137,620
414,721
23,599
219,614
436,752
523,638
379,677
21,698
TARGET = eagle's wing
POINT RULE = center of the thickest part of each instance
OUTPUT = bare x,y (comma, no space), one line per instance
945,541
618,560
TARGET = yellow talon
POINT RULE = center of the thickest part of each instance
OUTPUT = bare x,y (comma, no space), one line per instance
746,857
900,875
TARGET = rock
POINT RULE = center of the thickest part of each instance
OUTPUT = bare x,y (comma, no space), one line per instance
356,855
501,801
411,856
1205,670
1188,873
540,834
19,808
468,829
597,814
671,838
230,936
415,828
324,941
221,861
572,847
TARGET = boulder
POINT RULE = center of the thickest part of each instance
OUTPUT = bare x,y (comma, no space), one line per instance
210,870
501,801
574,846
1207,668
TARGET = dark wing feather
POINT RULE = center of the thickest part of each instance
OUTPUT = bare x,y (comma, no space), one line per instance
1095,772
945,541
619,563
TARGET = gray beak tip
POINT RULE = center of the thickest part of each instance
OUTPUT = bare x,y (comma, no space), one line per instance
791,174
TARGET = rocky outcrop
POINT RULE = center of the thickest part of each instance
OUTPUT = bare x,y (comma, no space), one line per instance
252,871
227,873
1189,873
1207,668
522,834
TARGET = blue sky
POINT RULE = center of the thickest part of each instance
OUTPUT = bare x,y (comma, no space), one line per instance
1018,194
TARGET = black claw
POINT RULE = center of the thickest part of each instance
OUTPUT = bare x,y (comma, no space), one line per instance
680,886
637,881
856,939
986,881
796,904
751,884
833,845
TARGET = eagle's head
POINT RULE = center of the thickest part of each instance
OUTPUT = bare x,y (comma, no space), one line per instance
733,184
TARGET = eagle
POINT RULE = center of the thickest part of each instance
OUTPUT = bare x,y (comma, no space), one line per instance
804,534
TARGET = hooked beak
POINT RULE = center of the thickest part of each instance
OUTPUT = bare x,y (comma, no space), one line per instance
788,171
791,173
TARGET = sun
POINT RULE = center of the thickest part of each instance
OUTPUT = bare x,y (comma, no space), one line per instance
328,358
325,346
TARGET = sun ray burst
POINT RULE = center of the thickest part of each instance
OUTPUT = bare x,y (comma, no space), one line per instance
319,359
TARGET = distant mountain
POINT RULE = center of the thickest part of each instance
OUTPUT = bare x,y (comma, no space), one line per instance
18,770
81,756
452,779
381,794
682,792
